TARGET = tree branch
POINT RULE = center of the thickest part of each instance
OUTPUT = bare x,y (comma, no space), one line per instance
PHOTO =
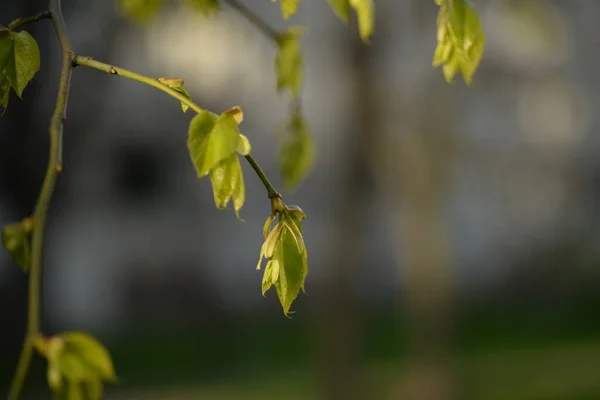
19,22
257,21
155,83
42,205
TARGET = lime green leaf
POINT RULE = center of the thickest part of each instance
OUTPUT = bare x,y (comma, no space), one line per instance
341,8
177,84
19,59
206,7
211,139
365,12
77,365
267,225
295,213
91,351
297,152
461,40
228,183
268,280
292,269
244,147
288,7
15,238
93,389
289,61
139,11
237,114
74,391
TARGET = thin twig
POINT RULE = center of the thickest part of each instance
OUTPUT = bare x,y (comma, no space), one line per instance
42,205
155,83
20,22
260,24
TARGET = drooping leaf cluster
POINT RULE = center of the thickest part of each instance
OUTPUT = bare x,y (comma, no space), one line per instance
19,62
78,365
460,39
214,142
286,255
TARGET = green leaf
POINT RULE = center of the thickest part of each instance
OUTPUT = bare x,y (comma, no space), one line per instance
289,61
177,84
206,7
297,152
292,269
365,12
212,139
139,11
91,351
341,8
15,238
461,40
228,183
19,61
244,147
93,389
288,7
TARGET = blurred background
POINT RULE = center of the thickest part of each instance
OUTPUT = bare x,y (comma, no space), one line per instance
453,232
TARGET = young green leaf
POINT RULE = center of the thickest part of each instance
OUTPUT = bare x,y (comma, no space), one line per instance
15,238
139,11
206,7
287,266
297,152
461,40
289,61
288,7
365,12
228,183
177,84
19,60
292,270
92,352
212,139
341,8
244,147
77,365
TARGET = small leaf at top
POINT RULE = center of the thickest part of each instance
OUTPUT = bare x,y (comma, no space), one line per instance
19,59
177,85
16,241
365,12
297,152
211,139
139,11
228,183
289,61
341,8
237,114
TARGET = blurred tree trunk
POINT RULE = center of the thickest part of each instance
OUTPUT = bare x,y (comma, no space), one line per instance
340,349
412,165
